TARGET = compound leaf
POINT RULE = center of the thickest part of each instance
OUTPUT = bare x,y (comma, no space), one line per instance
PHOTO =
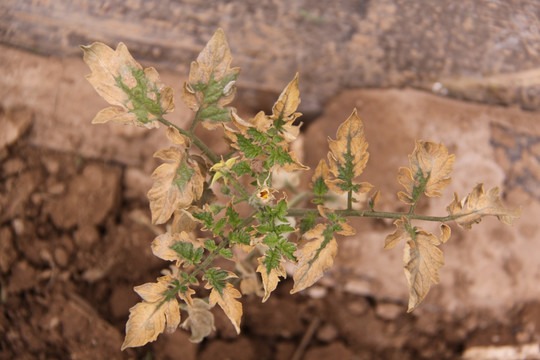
479,204
138,96
226,300
176,184
155,314
314,257
211,82
429,172
348,156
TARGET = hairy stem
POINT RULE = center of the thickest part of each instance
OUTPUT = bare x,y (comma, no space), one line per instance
379,214
198,142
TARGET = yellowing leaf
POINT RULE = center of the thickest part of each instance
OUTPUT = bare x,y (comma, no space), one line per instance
138,96
401,233
422,260
161,246
429,172
149,319
314,257
200,321
152,292
176,138
183,221
176,184
445,233
479,204
348,156
284,111
226,300
270,280
211,82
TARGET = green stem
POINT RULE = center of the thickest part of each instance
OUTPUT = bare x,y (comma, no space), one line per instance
378,214
299,198
198,142
349,200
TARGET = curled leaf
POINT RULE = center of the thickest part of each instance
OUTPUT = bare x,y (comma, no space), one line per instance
429,172
226,300
393,239
348,156
478,204
138,96
176,138
314,257
176,184
200,321
270,279
422,260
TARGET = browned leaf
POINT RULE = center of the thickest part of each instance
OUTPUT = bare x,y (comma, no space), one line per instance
161,246
422,260
114,74
176,184
401,233
211,68
421,257
226,300
152,316
478,204
348,156
314,258
429,172
200,321
284,111
270,280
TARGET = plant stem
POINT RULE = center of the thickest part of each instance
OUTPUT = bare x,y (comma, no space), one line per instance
198,142
378,214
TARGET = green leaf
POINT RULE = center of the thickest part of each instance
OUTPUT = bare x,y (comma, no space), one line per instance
206,217
271,239
214,113
280,210
319,187
187,252
234,218
265,228
239,237
216,278
287,248
272,259
216,209
138,96
258,136
308,221
249,149
284,228
279,156
219,225
241,168
210,244
183,176
226,253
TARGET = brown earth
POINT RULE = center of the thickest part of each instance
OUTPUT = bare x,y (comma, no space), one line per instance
74,236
